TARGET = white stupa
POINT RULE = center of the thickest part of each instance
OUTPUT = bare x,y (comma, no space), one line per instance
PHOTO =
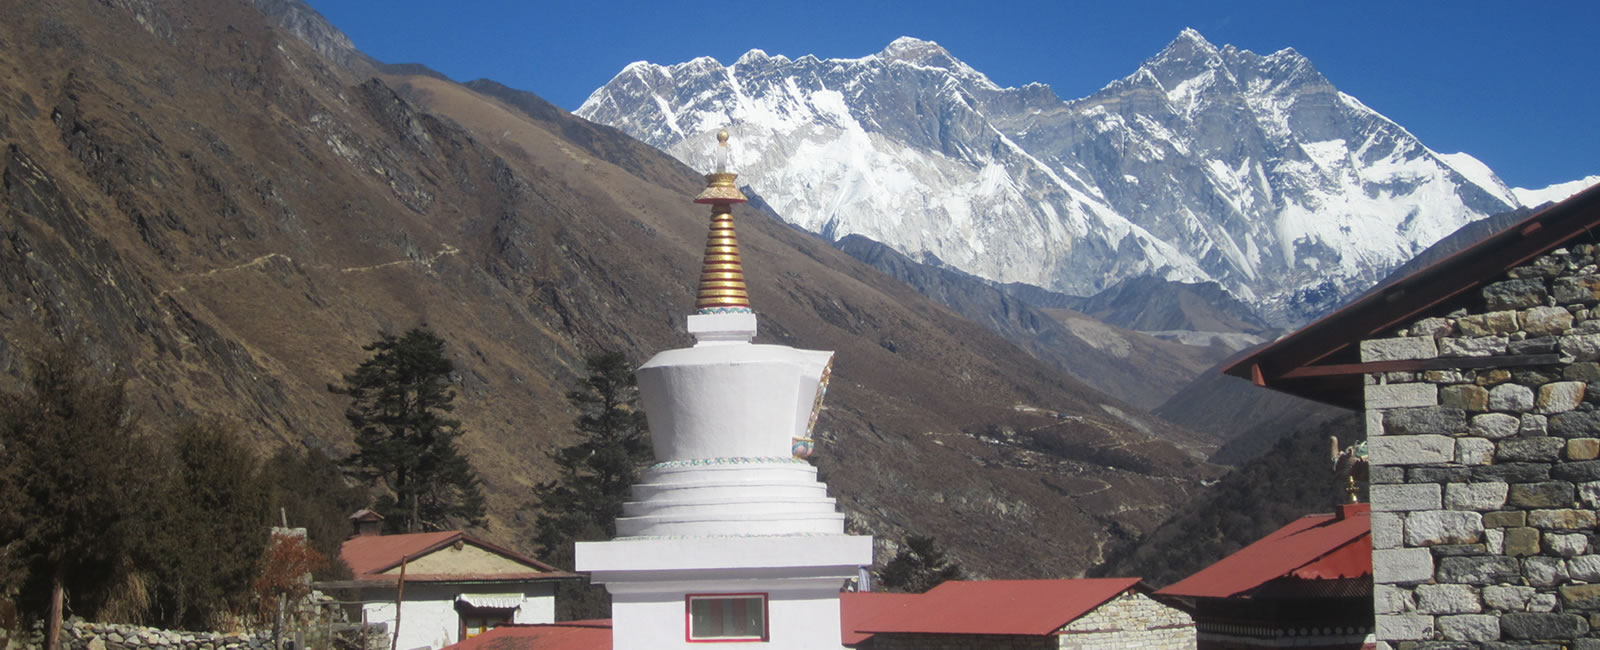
730,538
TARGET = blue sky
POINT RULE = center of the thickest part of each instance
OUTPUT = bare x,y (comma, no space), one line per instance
1513,83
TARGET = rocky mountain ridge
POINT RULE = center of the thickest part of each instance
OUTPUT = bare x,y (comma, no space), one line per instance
1206,164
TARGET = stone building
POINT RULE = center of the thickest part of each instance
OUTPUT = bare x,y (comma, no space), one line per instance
434,589
1025,615
1477,376
1306,585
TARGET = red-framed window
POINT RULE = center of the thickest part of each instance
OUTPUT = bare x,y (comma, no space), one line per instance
716,618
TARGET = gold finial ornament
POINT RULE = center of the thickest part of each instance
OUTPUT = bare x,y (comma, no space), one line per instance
722,288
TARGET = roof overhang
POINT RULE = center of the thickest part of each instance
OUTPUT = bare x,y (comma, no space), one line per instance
1322,361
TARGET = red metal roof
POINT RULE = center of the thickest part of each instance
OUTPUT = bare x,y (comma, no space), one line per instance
569,635
1016,607
857,608
1321,361
1320,547
368,556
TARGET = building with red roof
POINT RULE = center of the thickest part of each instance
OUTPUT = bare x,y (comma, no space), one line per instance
444,586
568,635
1016,614
1477,376
1306,585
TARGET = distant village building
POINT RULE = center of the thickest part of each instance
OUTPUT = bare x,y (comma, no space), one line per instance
730,537
1477,375
1019,615
1306,585
454,587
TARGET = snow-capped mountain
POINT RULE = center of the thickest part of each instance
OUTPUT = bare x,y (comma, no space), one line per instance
1537,197
1206,163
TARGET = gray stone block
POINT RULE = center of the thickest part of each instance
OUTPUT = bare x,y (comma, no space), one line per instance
1533,424
1559,397
1540,345
1424,449
1378,474
1512,472
1522,625
1408,497
1387,530
1485,570
1562,519
1403,627
1580,347
1382,396
1389,599
1584,567
1566,544
1474,451
1480,346
1424,420
1576,424
1511,397
1589,494
1544,449
1433,527
1492,323
1576,289
1470,627
1474,496
1542,571
1507,598
1494,426
1447,599
1405,566
1415,347
1547,494
1438,474
1545,321
1588,470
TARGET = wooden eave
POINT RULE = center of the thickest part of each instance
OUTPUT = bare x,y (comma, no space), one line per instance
1322,361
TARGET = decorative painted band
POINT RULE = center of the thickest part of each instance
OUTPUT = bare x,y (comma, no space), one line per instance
740,460
725,310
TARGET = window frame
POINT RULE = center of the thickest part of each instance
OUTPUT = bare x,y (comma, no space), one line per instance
688,618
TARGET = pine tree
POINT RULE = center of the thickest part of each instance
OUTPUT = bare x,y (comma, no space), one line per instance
584,502
76,481
406,446
919,566
210,528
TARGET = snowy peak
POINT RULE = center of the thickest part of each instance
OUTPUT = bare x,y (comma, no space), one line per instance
1206,163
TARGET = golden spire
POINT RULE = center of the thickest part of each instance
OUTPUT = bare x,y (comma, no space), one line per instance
722,287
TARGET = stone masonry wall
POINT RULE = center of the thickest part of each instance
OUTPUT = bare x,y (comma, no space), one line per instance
76,634
1486,473
1132,620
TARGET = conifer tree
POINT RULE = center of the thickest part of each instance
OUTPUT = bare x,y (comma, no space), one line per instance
406,446
75,482
919,566
210,528
584,502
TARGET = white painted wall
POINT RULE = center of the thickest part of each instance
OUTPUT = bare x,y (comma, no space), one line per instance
428,618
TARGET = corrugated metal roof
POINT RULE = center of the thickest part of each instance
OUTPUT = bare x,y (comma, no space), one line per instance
1016,607
570,635
857,608
1312,547
368,556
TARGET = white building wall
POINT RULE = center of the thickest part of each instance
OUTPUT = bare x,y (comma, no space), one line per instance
428,618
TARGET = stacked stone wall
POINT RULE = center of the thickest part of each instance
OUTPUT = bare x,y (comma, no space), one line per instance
77,634
1486,467
1132,620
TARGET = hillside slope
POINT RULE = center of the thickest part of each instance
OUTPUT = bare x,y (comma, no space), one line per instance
227,216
